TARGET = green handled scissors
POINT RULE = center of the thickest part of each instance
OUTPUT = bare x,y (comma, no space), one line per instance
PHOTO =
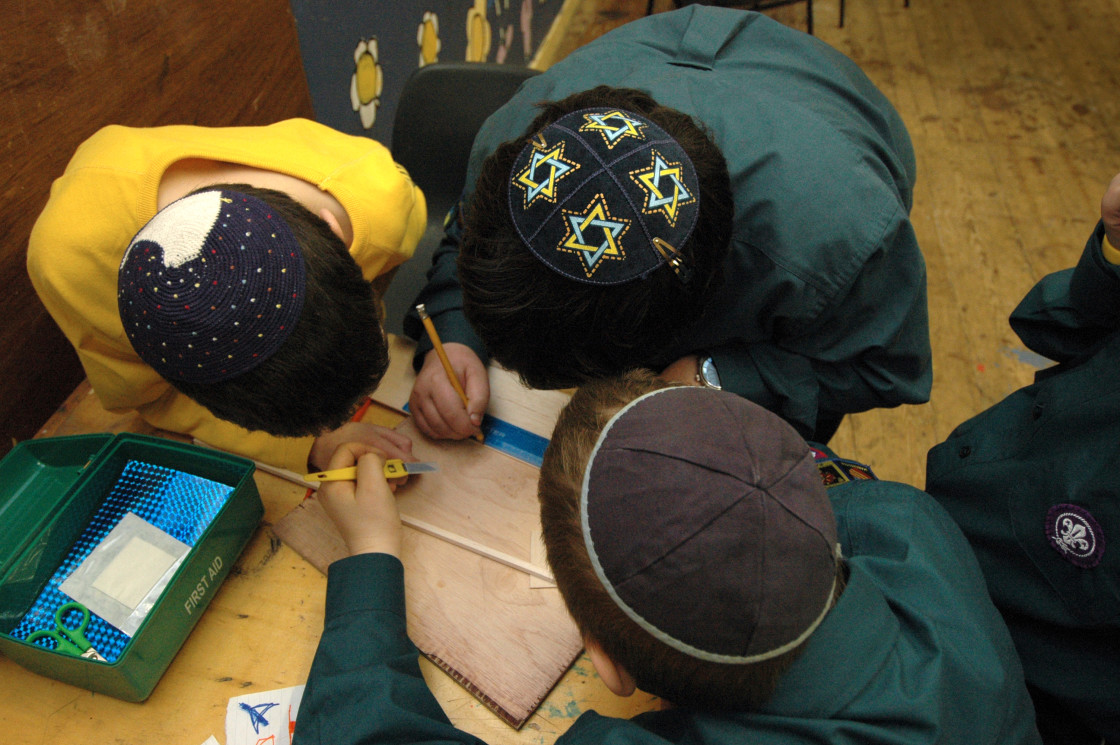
69,640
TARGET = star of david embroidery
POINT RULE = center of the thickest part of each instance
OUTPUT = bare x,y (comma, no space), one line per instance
665,191
594,235
545,168
614,126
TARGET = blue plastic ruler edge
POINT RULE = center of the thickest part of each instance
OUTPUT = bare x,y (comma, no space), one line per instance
512,440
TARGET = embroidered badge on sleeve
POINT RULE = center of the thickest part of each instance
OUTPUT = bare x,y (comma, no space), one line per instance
1075,534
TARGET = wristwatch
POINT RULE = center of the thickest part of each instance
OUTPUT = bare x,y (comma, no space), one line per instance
706,374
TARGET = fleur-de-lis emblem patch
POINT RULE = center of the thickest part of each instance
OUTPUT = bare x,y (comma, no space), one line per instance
594,235
1075,534
665,191
1072,536
546,167
614,126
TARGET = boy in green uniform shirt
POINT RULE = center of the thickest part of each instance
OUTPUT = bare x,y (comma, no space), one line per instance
1032,483
705,561
701,192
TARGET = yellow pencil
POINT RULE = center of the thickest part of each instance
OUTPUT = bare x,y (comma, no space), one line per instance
438,346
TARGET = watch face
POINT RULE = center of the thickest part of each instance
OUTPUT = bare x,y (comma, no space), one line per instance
709,374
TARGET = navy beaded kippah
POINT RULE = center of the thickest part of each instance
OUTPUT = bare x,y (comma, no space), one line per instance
211,286
604,196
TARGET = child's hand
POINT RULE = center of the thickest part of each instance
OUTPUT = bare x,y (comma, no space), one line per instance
1110,211
436,408
364,510
392,444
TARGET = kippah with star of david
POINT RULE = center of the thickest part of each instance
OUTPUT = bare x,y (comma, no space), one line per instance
605,196
211,286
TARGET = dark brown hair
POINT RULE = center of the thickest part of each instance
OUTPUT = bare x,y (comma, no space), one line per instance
554,331
656,667
335,355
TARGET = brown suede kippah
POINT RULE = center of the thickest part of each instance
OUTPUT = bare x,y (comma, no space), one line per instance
707,522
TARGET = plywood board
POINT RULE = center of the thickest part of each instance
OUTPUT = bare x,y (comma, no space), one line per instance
505,641
478,492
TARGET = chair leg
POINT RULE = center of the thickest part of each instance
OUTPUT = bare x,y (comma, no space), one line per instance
842,13
809,16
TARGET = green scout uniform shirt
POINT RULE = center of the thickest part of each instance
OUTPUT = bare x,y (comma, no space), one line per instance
1004,476
912,653
823,303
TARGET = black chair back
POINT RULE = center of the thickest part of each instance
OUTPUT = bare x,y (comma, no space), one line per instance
440,111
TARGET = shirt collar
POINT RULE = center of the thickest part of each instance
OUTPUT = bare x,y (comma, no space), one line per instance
842,657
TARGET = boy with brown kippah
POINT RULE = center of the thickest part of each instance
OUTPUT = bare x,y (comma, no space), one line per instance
703,558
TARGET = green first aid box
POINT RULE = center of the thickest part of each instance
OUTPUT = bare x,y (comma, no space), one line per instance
59,495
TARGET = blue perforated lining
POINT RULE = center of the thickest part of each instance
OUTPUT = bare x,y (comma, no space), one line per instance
178,503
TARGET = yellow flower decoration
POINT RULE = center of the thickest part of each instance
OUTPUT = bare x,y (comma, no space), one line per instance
367,82
427,38
478,33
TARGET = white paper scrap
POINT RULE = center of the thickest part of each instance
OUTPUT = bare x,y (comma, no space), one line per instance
263,718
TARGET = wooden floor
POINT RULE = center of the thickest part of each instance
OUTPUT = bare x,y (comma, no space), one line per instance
1013,112
1014,118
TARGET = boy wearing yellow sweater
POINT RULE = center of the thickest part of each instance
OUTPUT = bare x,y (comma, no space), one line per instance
218,280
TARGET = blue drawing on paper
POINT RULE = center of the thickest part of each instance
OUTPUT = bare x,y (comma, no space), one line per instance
256,715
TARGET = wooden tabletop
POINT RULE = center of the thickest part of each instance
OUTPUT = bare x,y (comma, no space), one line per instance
258,634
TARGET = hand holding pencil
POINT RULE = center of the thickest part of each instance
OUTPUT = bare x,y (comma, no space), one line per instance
451,392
